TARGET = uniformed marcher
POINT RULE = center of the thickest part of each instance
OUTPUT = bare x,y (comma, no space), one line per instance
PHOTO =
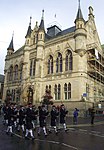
10,115
54,114
29,125
43,113
15,115
5,108
63,113
21,117
34,117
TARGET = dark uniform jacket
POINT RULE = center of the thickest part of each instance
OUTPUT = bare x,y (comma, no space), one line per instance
29,113
54,114
42,117
63,113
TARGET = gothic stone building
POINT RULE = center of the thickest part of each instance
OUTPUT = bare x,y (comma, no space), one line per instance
70,63
1,86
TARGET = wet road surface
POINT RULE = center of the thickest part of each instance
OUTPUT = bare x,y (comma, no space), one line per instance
84,137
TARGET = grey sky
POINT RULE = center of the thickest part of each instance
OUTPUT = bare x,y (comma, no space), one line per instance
15,14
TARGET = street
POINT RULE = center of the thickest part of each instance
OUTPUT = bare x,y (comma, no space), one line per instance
79,137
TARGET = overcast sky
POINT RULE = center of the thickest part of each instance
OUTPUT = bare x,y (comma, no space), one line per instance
15,14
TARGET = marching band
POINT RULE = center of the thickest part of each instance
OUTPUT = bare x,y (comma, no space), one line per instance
27,118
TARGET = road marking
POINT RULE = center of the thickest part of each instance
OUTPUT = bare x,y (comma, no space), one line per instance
70,146
94,133
82,130
53,142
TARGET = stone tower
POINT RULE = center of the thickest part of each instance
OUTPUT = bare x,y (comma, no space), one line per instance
80,33
40,48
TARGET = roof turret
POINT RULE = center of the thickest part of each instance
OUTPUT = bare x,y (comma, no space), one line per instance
29,29
11,46
41,26
79,14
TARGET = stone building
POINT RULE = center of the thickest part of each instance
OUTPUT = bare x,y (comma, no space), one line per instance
69,63
1,86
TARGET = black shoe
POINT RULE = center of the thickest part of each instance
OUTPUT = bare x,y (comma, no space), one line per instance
66,130
7,132
46,135
33,138
56,133
11,134
50,131
26,138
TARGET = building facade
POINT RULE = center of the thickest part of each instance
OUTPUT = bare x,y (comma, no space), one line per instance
1,86
69,63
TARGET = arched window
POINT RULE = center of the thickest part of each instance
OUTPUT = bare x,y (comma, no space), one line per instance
48,89
13,94
59,63
68,61
21,68
67,91
30,67
49,86
50,65
34,67
16,72
57,92
11,73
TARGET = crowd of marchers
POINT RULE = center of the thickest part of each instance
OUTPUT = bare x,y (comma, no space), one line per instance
27,118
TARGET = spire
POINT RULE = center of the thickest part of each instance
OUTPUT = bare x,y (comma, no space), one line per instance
29,29
41,27
79,13
11,47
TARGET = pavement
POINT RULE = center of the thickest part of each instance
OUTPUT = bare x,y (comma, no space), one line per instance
85,121
82,121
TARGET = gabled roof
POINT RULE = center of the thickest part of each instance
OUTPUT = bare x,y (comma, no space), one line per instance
19,50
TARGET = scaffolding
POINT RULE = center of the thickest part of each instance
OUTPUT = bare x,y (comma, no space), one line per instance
95,70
